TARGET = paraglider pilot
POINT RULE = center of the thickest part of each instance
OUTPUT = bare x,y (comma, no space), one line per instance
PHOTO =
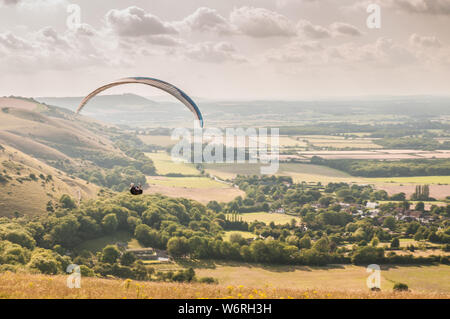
135,190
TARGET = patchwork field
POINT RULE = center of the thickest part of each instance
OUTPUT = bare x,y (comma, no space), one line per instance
421,279
165,165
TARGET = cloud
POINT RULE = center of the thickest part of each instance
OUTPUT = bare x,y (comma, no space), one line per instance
11,42
434,7
425,41
33,4
136,22
340,28
313,31
260,23
9,2
426,7
207,20
295,52
214,52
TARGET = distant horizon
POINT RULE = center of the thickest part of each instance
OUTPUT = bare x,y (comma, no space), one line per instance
323,98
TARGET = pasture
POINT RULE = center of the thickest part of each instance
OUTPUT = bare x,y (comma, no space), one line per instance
95,245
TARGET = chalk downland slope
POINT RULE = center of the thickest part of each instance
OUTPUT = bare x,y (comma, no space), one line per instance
28,184
39,139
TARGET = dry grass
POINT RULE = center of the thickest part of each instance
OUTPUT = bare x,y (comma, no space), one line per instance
202,195
420,279
27,286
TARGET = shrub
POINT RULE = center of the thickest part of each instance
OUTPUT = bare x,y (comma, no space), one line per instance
400,287
208,280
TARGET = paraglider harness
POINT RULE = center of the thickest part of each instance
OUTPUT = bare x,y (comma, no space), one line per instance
135,190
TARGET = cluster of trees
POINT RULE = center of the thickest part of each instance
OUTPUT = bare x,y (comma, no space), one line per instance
374,168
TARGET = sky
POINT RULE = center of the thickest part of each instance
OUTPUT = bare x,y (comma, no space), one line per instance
226,49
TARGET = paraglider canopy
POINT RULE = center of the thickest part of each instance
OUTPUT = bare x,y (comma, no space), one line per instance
167,87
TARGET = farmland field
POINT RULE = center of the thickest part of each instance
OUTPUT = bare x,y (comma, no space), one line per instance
436,191
186,182
335,277
413,180
269,217
299,172
244,234
164,165
202,189
160,140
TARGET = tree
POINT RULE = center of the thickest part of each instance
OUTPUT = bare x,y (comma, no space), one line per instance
110,223
67,202
127,258
178,246
375,241
368,255
148,236
420,206
305,242
110,254
395,243
389,222
322,245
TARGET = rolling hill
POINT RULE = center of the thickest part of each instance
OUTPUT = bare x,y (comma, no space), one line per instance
38,141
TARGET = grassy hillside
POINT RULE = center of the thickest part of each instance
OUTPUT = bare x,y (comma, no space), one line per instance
21,286
27,195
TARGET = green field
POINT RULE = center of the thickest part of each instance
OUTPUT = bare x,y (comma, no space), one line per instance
412,180
95,245
244,234
269,217
165,165
186,182
433,279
